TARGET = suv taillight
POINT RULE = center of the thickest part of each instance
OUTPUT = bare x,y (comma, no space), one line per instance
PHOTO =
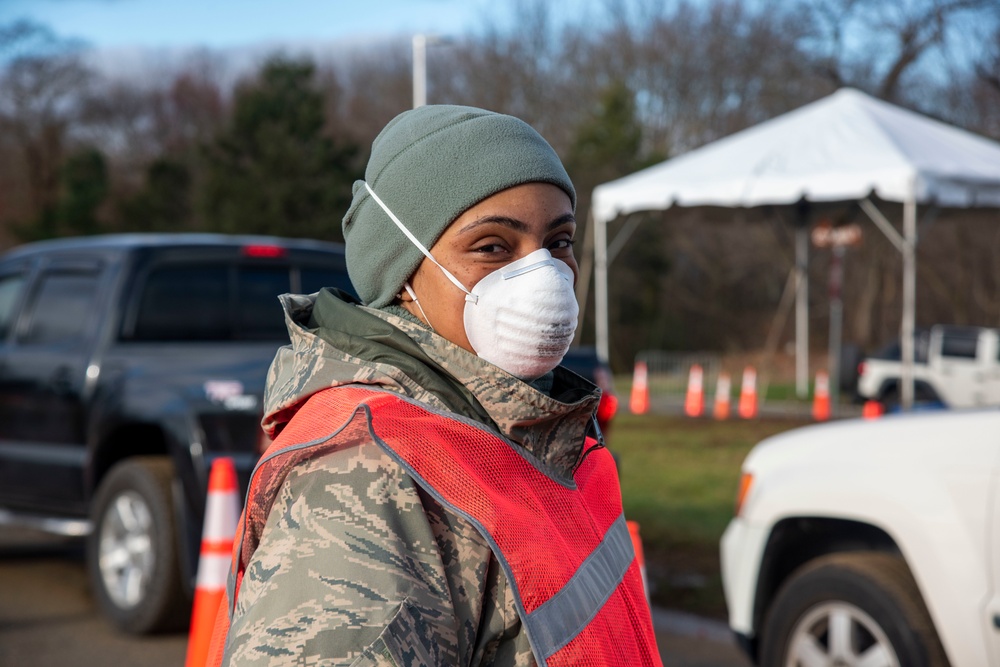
270,251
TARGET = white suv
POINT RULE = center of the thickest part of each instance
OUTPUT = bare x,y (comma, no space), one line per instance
958,367
870,543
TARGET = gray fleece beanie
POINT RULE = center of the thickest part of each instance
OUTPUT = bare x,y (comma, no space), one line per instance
429,165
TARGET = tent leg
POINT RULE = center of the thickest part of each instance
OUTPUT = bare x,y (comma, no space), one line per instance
774,335
907,246
909,301
601,289
836,326
802,311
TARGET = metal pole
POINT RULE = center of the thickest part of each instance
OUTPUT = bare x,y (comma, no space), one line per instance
601,289
836,324
419,70
802,311
909,300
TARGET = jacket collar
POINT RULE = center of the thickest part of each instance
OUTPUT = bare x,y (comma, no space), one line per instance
552,426
337,342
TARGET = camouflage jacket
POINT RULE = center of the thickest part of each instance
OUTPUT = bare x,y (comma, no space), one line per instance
359,566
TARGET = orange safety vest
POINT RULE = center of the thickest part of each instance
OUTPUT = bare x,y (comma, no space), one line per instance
564,546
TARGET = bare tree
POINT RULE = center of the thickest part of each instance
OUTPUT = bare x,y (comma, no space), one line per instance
366,90
530,67
40,90
880,46
976,96
703,71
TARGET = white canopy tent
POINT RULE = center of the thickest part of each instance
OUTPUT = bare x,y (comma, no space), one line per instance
844,147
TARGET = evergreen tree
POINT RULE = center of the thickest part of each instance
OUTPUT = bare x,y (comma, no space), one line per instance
164,204
608,142
83,187
272,171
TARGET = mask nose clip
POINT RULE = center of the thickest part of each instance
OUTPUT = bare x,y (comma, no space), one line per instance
507,275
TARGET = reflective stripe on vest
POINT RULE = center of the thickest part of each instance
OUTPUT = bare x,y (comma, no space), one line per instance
563,544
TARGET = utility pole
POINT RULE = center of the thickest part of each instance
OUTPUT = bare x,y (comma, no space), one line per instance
420,44
419,70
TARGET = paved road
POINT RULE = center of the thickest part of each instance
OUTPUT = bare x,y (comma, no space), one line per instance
48,618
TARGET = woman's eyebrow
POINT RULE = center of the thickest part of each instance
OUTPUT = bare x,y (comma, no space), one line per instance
515,224
561,220
512,223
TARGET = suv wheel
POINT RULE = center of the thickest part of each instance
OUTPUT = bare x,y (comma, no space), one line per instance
132,554
851,609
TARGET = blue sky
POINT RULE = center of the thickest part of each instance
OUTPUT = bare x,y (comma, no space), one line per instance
231,23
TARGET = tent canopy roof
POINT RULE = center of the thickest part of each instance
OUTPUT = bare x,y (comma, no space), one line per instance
839,148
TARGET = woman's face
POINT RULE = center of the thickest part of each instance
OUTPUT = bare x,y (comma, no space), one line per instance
495,232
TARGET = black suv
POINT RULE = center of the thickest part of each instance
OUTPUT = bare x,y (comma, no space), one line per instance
128,363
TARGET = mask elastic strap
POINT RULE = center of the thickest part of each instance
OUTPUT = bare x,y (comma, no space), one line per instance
420,246
413,295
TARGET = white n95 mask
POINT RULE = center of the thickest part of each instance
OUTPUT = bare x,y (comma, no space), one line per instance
521,317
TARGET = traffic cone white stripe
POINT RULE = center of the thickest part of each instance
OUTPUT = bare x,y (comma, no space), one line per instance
221,516
748,394
722,391
821,397
213,570
639,399
694,401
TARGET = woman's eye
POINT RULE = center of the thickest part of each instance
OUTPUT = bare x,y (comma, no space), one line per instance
490,248
561,244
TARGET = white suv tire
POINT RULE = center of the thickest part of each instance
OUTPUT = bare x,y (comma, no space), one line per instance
847,609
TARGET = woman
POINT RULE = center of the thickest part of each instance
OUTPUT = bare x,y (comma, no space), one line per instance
431,497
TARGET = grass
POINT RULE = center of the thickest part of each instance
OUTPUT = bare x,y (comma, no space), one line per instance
679,480
786,392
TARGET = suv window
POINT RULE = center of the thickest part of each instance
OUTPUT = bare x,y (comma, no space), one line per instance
959,344
11,287
921,349
258,311
60,310
221,300
184,302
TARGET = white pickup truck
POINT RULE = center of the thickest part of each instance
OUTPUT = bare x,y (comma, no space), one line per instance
870,543
957,367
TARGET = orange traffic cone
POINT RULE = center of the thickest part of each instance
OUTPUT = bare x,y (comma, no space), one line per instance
633,531
638,402
872,410
821,397
694,402
722,391
222,514
748,394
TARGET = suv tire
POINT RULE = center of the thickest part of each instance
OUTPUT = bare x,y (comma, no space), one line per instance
132,555
871,600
